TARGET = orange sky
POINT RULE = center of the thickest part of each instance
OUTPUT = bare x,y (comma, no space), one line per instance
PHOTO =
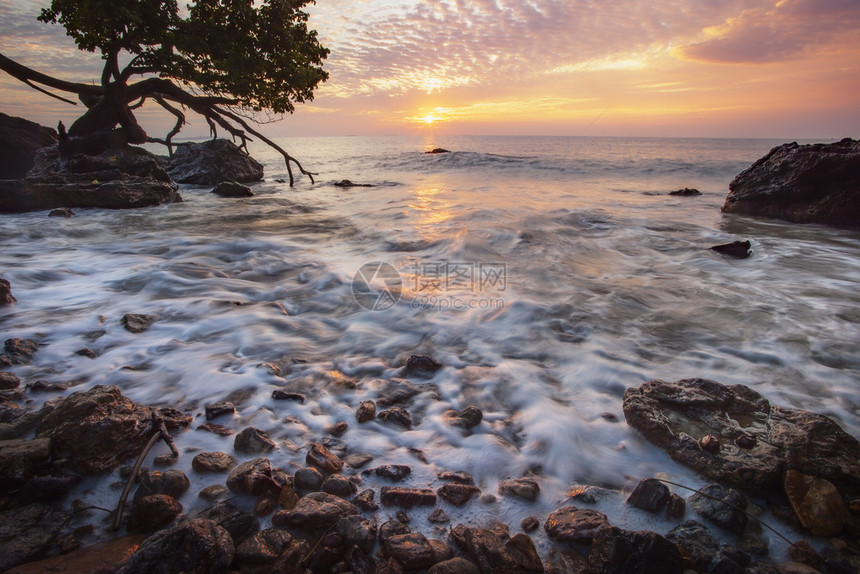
711,68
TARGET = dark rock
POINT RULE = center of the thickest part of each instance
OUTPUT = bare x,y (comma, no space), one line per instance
61,212
355,530
650,494
803,552
524,553
339,485
216,410
488,549
152,512
723,506
213,462
565,561
263,548
457,494
357,460
686,192
6,297
366,412
437,150
213,492
573,524
412,551
458,477
399,391
19,140
337,429
455,566
206,549
407,497
220,430
736,249
27,533
253,477
254,441
396,415
89,353
324,459
469,417
9,381
422,364
816,503
391,528
349,183
20,351
710,443
136,322
47,488
315,511
745,441
19,459
280,395
307,479
365,500
524,488
239,525
393,472
438,516
530,524
43,386
674,416
617,551
817,183
212,162
676,507
704,552
232,189
172,482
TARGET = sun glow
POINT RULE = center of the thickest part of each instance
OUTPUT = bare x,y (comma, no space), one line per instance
428,119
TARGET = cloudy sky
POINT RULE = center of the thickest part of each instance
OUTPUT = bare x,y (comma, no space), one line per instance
714,68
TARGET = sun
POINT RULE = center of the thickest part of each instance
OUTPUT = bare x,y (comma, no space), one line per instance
429,119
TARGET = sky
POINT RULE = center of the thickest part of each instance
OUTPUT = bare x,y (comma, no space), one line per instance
785,69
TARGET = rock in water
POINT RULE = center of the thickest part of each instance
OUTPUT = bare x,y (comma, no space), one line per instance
206,548
617,551
736,249
816,502
212,162
6,297
232,189
19,140
802,183
723,506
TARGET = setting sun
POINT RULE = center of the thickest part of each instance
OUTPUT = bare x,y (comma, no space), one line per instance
429,119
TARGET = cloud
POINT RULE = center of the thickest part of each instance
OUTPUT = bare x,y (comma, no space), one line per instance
775,32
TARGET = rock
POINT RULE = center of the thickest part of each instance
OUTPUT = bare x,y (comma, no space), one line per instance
172,482
457,494
795,568
9,381
220,430
216,410
263,548
43,386
108,556
339,485
455,566
254,441
437,150
710,443
213,492
650,494
253,477
47,488
239,525
61,212
280,395
288,498
488,549
803,552
530,524
307,479
412,551
686,192
136,322
524,488
574,524
206,549
6,297
27,532
393,472
736,249
349,183
152,512
723,506
357,460
469,417
816,503
337,429
358,531
674,416
704,552
20,351
524,553
817,183
458,477
399,391
315,511
365,500
407,497
324,459
676,507
422,364
396,415
19,140
213,462
232,189
366,412
212,162
617,551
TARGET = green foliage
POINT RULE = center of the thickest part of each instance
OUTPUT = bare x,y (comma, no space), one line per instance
258,53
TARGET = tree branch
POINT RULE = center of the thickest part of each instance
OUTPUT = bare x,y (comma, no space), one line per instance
27,75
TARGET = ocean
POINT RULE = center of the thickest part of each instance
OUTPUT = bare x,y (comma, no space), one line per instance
547,275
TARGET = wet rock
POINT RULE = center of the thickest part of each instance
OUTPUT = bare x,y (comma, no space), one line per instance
704,553
52,487
458,477
365,500
213,462
422,364
152,512
455,566
412,551
216,410
816,503
350,183
625,552
391,528
339,485
263,548
9,381
307,479
437,150
686,192
220,430
232,189
736,249
489,551
172,482
801,183
357,460
239,525
469,417
710,443
676,507
355,530
574,524
104,557
397,416
337,429
315,511
588,493
6,297
288,498
366,412
212,162
524,488
43,386
565,561
206,549
18,145
530,524
61,212
324,459
253,477
457,494
723,506
407,497
393,472
524,553
674,416
136,322
20,351
438,516
398,391
650,494
280,395
27,532
253,441
803,552
213,492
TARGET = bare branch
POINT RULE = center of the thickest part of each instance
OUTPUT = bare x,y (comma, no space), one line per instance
26,75
47,93
180,121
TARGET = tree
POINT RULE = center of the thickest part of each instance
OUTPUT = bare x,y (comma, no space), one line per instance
223,59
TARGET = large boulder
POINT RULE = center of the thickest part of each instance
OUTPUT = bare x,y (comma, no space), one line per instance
817,183
211,162
197,546
19,140
750,442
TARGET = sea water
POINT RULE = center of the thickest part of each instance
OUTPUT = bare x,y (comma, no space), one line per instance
547,274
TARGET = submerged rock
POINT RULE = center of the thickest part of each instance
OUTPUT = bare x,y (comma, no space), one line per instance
723,506
437,150
232,189
349,183
817,183
212,162
20,351
686,192
736,249
136,322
